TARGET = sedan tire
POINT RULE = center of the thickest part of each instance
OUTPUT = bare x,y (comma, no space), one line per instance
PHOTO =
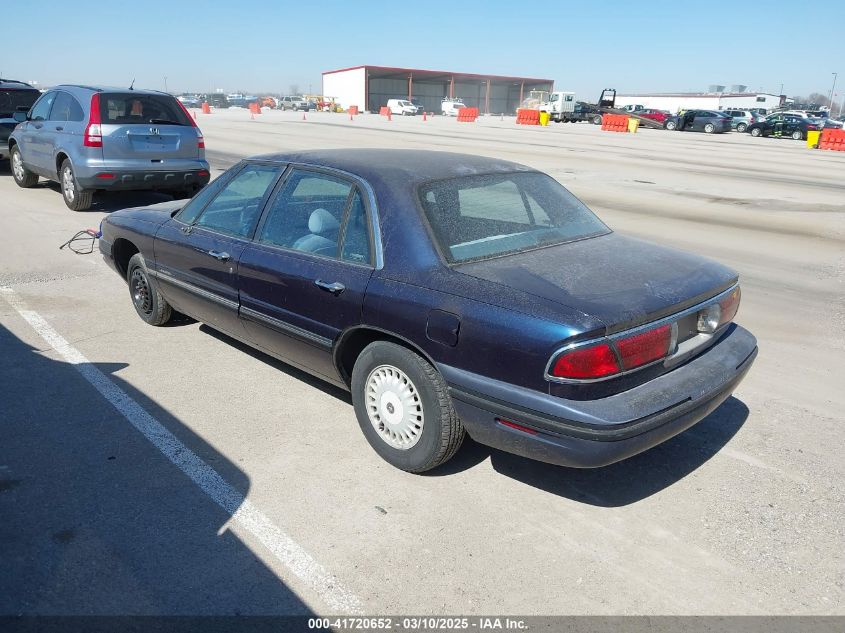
23,177
76,198
671,125
709,128
798,135
147,300
403,408
756,131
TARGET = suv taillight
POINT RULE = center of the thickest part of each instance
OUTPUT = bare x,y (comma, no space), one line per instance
200,138
93,136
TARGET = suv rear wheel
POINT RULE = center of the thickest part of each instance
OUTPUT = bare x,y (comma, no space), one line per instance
741,127
76,198
23,177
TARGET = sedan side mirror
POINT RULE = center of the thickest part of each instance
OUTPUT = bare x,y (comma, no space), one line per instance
19,116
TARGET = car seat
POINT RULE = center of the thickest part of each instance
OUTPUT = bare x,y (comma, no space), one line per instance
322,240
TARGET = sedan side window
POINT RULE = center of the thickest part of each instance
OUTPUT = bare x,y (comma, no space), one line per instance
308,213
41,110
236,208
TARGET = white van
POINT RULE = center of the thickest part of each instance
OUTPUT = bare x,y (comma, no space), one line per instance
401,106
450,107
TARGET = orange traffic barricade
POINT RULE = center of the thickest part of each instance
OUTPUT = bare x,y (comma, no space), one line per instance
205,108
832,139
467,115
527,117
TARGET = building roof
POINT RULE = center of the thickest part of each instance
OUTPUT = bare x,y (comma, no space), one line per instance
388,71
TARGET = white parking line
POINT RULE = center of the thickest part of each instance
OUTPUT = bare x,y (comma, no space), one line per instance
282,546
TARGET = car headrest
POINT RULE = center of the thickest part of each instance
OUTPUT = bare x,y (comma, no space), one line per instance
321,222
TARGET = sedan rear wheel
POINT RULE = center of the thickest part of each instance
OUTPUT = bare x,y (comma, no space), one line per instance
403,408
23,177
147,300
798,135
76,198
756,131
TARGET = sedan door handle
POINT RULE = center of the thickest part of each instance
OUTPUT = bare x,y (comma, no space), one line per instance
219,255
334,288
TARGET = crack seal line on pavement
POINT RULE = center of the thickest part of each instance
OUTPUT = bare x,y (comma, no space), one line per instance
246,515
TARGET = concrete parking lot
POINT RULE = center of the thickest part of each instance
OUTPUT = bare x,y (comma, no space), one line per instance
742,514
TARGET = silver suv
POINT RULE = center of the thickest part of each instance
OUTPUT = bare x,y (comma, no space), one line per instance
96,139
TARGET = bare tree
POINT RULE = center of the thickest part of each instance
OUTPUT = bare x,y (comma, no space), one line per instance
294,89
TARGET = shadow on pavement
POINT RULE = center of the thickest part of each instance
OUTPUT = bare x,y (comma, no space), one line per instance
625,482
96,521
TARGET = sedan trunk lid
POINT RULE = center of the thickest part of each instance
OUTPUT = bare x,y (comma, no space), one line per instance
620,280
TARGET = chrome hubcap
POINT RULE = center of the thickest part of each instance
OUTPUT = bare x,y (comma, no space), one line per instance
67,183
141,292
17,165
394,407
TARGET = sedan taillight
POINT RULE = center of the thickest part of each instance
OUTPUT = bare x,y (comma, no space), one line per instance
615,356
622,353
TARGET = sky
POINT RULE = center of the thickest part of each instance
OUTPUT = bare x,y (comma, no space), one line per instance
259,46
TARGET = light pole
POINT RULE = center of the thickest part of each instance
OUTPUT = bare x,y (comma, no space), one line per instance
832,88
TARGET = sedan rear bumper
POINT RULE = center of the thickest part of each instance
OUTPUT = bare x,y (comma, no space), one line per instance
594,433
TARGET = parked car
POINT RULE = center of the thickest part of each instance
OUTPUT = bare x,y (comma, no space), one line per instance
216,100
450,294
92,139
826,123
402,107
190,101
709,121
655,115
784,125
450,107
633,107
741,119
296,103
419,106
16,97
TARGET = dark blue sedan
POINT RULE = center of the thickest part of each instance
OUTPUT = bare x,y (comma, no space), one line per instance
450,294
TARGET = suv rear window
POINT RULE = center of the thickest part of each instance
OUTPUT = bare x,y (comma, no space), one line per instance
12,98
477,217
129,108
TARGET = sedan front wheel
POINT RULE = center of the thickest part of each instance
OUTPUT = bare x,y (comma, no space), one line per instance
147,300
756,131
403,408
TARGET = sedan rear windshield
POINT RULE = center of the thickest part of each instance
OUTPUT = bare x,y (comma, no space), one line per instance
128,108
11,99
477,217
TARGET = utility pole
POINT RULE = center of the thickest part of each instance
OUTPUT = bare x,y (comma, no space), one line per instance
830,97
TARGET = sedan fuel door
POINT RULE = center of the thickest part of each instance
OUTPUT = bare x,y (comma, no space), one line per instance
197,252
302,281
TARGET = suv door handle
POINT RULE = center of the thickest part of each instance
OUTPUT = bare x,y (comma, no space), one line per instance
334,288
220,256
